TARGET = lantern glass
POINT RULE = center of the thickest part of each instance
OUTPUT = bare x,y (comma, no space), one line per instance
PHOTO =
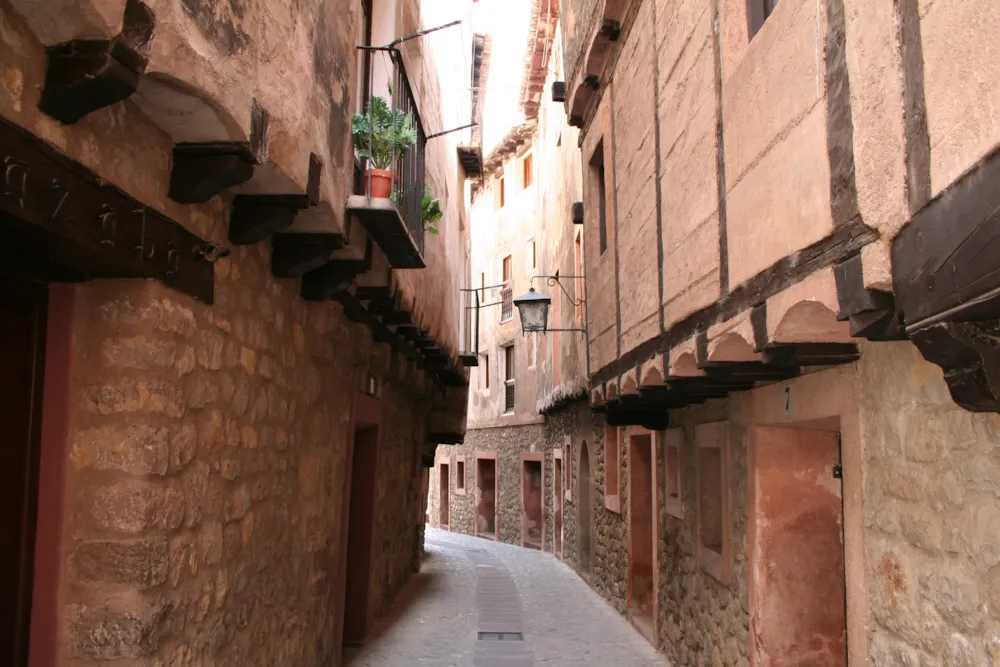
534,310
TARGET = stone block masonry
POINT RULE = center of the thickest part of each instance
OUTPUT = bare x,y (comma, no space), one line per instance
207,451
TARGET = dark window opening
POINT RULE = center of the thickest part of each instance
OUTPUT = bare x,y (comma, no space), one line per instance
757,12
599,176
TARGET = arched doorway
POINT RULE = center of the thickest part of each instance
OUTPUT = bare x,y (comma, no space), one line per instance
586,510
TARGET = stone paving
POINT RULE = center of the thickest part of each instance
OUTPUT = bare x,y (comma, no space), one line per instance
468,586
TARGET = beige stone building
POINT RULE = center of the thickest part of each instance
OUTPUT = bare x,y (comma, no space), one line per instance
499,483
225,366
789,213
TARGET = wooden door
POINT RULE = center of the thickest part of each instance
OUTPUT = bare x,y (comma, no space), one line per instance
22,345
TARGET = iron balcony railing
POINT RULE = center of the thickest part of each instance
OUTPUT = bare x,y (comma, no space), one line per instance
387,79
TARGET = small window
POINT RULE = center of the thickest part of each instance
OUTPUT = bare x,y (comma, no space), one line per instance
499,193
527,169
599,177
506,269
460,476
482,287
532,256
672,441
485,371
508,379
757,12
611,468
578,281
713,510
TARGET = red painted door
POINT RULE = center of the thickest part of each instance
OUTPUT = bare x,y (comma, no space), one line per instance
22,331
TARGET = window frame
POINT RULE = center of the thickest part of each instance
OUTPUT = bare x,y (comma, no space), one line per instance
612,468
460,473
509,377
714,435
599,174
758,11
527,170
673,439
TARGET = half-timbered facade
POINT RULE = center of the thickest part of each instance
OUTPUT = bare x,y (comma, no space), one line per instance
789,223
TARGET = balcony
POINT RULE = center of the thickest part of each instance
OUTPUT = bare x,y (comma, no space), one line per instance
395,223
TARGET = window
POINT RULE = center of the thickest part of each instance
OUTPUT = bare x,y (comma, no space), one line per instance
713,510
363,64
508,379
482,287
506,292
672,441
612,469
757,13
527,171
532,256
460,476
499,193
598,175
484,371
578,281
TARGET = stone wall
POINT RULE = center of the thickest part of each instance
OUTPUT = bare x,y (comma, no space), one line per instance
207,461
703,620
932,508
508,443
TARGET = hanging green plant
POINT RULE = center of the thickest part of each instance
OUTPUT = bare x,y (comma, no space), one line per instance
432,212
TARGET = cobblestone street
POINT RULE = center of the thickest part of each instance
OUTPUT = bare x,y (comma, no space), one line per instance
469,586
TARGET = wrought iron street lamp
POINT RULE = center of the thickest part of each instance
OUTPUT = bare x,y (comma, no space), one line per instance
534,307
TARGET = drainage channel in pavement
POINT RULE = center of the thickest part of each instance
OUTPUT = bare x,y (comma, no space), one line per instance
500,641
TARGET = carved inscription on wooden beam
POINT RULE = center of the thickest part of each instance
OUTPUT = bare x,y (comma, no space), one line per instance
53,210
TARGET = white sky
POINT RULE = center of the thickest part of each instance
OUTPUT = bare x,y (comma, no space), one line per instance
508,22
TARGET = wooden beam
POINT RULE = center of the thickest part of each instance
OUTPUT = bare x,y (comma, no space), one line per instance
201,171
83,76
294,255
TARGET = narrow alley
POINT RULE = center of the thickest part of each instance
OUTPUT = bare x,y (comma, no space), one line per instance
497,333
469,587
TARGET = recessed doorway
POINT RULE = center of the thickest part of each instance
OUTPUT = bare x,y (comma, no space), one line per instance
642,607
486,495
797,592
354,609
22,347
532,507
585,510
557,503
444,497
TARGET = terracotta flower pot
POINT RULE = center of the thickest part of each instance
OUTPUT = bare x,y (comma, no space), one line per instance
381,183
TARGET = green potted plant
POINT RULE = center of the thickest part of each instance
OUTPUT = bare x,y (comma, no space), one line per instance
378,135
432,212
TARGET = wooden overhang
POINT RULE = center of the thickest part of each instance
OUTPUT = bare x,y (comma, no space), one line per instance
946,276
471,159
60,222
